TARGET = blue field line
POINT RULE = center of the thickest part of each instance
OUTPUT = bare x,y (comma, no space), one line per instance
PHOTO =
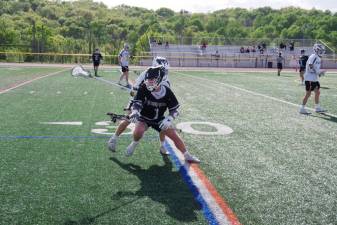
68,137
206,210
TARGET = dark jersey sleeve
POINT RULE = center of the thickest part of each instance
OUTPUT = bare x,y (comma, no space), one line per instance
139,99
305,59
173,103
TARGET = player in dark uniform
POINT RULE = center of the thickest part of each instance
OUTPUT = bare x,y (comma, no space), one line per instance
302,62
279,61
149,106
96,59
157,61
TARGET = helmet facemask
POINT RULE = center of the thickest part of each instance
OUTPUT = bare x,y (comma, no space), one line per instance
151,84
319,49
154,77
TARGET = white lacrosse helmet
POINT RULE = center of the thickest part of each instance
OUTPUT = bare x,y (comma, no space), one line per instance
160,61
319,49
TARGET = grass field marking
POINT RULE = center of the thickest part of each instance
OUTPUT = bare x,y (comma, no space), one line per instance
72,123
30,81
113,83
206,194
150,137
252,92
220,128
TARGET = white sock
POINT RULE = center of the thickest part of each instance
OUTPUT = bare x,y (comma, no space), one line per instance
187,153
162,143
317,106
115,136
134,143
302,106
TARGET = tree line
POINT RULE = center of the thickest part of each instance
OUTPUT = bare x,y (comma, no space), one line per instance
80,26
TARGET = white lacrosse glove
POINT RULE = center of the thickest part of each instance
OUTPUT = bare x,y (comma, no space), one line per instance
134,116
166,123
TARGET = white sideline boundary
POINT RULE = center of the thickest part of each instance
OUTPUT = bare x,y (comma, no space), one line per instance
219,209
30,81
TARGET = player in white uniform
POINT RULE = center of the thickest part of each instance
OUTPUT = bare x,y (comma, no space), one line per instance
123,59
311,78
157,61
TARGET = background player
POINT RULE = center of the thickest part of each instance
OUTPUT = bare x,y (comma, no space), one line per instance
96,59
279,61
311,77
302,63
123,60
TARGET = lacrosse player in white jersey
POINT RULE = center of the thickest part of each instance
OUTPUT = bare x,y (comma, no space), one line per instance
311,78
123,59
157,61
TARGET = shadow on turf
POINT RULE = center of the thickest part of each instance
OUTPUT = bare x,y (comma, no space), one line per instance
89,220
161,184
158,183
325,117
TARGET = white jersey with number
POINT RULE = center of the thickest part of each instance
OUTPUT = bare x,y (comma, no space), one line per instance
312,74
124,57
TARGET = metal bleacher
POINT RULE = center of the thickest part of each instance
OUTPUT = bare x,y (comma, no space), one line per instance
184,55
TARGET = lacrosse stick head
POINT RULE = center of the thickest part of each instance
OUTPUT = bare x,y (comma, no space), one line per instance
80,71
114,117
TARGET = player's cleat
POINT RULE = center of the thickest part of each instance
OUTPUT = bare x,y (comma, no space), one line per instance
304,111
163,151
191,158
320,110
128,86
112,144
130,149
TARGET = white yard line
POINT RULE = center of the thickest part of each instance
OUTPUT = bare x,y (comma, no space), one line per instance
71,123
251,92
113,83
30,81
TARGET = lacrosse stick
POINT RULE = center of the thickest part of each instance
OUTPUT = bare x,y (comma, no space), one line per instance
114,117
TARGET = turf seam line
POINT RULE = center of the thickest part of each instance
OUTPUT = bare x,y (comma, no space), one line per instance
252,92
215,209
30,81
